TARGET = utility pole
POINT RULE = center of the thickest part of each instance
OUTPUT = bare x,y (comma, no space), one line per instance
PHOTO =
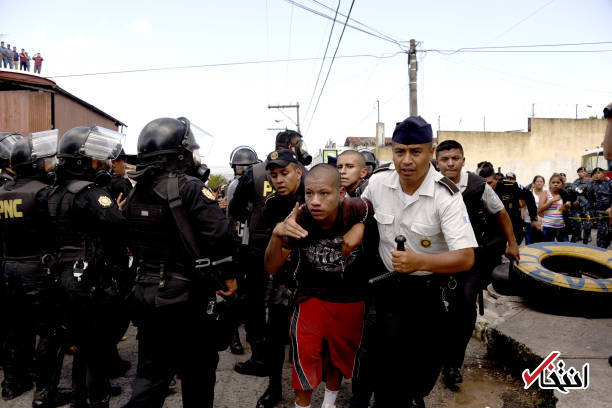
412,65
296,106
378,109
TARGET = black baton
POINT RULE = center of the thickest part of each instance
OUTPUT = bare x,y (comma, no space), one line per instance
399,240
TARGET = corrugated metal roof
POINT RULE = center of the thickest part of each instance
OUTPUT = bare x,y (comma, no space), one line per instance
20,80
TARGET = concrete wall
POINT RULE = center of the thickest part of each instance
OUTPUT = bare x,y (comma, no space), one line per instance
551,145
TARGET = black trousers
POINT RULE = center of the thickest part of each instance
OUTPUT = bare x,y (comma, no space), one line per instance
92,321
409,338
277,337
175,339
251,259
364,373
35,309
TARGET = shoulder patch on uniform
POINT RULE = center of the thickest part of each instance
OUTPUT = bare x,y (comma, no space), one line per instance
105,201
383,167
208,194
449,185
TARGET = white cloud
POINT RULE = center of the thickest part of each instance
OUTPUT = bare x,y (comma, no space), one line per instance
141,26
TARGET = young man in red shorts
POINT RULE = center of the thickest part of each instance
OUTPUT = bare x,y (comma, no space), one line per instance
324,240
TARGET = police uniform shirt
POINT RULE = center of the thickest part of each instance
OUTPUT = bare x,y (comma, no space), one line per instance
432,220
490,200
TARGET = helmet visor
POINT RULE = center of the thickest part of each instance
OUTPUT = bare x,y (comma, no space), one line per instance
6,145
102,143
44,144
203,139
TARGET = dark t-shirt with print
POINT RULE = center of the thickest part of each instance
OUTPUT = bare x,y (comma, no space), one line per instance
321,270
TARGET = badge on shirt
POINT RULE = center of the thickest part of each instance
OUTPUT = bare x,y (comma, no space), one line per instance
208,194
425,242
105,201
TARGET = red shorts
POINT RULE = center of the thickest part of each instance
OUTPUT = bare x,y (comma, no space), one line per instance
315,321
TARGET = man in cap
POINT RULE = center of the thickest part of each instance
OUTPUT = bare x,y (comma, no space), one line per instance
286,174
415,204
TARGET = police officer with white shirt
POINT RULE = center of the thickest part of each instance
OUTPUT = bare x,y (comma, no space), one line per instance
417,202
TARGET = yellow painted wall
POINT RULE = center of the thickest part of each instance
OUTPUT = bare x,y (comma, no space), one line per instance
552,145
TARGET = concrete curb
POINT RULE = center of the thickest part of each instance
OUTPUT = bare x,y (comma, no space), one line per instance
520,338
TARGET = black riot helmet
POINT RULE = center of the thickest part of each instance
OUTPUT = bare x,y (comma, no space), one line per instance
369,159
35,155
86,153
174,144
242,158
7,140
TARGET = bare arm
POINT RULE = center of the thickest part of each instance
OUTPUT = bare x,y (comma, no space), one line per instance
447,262
276,255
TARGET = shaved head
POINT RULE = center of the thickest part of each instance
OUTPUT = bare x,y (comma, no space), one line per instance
358,157
324,171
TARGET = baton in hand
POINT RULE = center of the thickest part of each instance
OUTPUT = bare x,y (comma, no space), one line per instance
399,240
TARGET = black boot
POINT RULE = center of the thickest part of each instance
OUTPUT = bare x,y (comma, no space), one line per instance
105,403
271,397
451,376
15,390
255,365
235,344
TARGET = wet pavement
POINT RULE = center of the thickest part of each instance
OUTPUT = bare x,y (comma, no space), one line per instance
484,385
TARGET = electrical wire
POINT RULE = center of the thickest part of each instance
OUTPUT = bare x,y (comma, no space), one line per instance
390,38
504,47
522,51
226,64
330,66
396,42
331,31
524,19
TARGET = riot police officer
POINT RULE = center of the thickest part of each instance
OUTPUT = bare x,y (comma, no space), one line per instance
600,201
370,160
7,140
90,256
510,193
242,159
579,220
31,293
180,241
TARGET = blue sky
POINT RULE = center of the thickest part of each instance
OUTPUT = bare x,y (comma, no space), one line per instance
231,102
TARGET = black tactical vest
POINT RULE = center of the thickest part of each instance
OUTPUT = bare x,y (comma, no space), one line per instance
24,230
263,188
486,228
72,238
154,238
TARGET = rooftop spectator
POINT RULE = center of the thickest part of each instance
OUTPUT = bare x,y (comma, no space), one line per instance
37,63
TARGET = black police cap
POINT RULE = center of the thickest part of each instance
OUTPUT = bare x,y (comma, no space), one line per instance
281,158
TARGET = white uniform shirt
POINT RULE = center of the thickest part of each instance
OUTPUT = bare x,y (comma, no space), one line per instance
432,220
489,198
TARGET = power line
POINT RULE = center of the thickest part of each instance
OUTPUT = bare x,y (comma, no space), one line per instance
225,64
390,38
502,47
398,43
330,66
331,31
524,19
521,51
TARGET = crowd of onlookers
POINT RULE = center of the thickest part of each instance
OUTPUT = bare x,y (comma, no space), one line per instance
12,59
567,211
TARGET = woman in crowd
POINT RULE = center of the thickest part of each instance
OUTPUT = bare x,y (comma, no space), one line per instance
533,235
551,209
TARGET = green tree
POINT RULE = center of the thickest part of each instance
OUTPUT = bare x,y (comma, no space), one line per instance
215,181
